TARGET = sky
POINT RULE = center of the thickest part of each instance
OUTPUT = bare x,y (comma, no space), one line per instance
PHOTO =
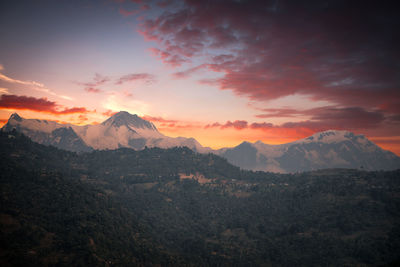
220,71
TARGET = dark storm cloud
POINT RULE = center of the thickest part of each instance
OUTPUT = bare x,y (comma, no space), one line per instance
342,51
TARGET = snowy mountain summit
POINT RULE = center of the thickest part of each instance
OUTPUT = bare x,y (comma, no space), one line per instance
331,136
15,117
328,149
133,121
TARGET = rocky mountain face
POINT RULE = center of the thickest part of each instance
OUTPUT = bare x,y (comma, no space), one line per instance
329,149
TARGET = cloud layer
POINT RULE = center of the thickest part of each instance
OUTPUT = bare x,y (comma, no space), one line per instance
321,119
338,51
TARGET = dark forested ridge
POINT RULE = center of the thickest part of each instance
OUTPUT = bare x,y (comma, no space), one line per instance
176,207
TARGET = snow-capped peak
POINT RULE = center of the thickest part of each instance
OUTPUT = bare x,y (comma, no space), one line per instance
133,121
331,136
15,116
32,124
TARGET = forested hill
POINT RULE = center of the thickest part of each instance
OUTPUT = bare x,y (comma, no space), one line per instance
176,207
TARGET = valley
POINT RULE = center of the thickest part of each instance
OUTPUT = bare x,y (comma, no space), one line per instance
177,207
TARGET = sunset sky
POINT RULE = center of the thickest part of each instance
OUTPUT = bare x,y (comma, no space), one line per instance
219,71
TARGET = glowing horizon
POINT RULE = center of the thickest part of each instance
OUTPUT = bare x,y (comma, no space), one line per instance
217,138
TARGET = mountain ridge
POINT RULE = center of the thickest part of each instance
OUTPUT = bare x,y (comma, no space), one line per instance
120,130
327,149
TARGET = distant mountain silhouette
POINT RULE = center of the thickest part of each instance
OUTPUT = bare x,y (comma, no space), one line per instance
329,149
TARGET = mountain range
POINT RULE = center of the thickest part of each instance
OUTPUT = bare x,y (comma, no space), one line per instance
328,149
120,130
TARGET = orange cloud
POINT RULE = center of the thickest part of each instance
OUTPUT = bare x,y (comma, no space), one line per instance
109,113
36,104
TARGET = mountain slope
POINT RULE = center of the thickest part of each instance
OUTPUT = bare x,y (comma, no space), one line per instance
49,217
329,149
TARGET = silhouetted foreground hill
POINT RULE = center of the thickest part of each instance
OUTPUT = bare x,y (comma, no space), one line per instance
176,207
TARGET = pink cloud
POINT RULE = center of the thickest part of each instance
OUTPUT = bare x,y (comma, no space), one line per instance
213,125
93,90
262,125
146,77
238,125
168,58
98,80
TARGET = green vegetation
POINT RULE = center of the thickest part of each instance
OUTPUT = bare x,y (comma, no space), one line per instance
176,207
